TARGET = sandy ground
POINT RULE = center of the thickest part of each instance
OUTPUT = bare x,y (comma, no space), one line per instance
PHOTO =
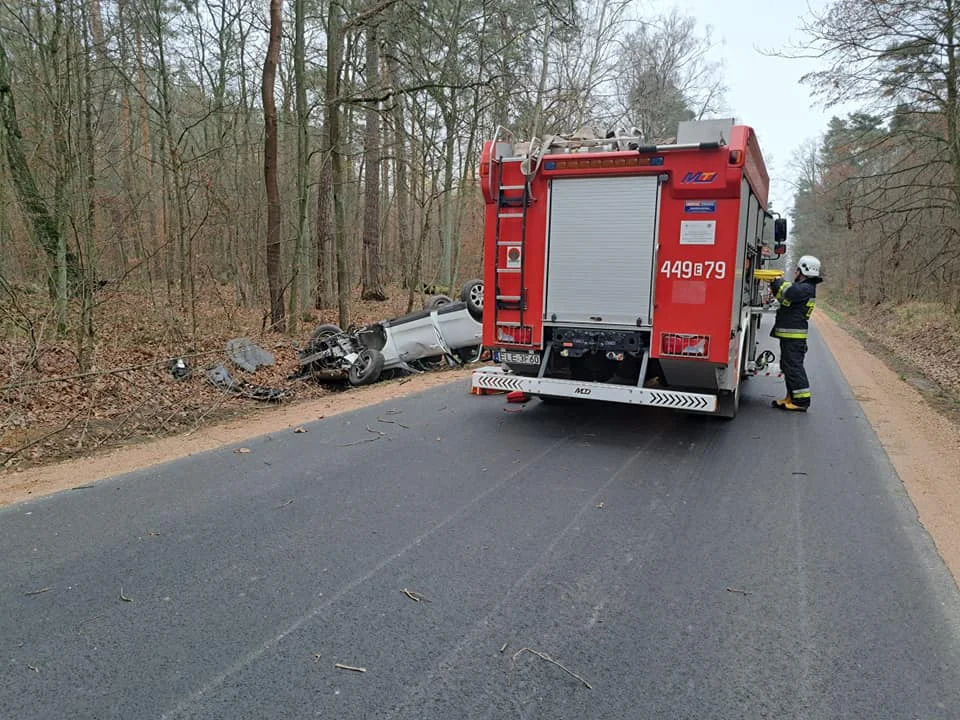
17,486
923,446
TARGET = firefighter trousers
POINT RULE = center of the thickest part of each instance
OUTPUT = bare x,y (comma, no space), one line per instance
792,353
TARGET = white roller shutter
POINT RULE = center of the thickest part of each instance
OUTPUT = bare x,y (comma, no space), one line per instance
600,252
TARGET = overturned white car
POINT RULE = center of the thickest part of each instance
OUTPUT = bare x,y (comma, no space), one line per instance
445,330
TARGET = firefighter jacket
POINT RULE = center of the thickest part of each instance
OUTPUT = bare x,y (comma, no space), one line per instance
797,301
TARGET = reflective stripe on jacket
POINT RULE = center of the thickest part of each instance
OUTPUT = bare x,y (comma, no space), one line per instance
797,301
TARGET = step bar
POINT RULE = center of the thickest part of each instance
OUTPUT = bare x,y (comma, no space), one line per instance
495,378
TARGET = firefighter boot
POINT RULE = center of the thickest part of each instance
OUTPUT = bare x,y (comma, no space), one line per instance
788,400
789,405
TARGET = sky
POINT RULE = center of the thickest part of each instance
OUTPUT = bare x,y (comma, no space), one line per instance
763,92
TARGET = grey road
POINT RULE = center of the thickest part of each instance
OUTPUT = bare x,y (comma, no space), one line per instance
682,567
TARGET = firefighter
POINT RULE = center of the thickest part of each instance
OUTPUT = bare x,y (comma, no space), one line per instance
797,300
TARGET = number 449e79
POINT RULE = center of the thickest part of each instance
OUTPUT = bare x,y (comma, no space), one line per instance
686,269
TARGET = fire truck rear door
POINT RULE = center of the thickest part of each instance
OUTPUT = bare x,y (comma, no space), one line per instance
600,251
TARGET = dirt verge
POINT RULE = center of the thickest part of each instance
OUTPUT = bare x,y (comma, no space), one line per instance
34,482
922,444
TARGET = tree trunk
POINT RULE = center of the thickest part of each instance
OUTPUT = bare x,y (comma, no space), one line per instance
46,233
270,166
337,173
303,161
372,273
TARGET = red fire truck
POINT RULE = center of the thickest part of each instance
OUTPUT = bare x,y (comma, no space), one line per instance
625,272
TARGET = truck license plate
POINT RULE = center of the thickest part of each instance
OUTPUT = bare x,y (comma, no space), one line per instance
518,358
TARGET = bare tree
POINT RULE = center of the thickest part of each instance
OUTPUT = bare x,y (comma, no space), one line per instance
270,166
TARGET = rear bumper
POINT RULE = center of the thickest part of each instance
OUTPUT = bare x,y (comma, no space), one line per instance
494,378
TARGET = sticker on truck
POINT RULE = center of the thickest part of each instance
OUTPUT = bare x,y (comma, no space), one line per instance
686,269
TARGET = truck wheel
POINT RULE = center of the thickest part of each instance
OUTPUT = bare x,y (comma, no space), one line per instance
366,368
437,301
728,402
472,295
322,332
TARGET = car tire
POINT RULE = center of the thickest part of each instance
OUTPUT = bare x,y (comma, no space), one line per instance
322,332
366,368
472,295
438,301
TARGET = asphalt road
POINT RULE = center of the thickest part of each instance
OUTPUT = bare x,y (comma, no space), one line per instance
683,567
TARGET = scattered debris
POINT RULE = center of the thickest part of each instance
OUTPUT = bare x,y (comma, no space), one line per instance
742,592
503,648
316,657
82,487
242,451
124,597
517,396
34,668
798,473
599,506
153,533
341,666
415,596
282,505
247,355
544,656
221,379
37,592
179,369
300,430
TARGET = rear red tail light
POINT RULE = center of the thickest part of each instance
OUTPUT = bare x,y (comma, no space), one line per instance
515,335
680,345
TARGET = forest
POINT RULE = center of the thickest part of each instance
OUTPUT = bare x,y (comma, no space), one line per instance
178,172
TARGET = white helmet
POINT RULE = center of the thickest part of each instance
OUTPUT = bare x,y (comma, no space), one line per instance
809,266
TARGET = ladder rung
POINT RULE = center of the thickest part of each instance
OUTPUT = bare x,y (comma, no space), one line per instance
508,270
510,243
510,215
511,187
502,323
509,298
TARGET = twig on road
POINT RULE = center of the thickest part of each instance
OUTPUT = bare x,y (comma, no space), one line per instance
36,592
742,592
415,596
359,442
124,597
393,422
544,656
341,666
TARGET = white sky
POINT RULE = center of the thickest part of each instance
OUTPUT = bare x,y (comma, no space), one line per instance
763,92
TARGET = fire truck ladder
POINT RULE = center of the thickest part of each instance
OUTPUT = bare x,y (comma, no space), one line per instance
512,208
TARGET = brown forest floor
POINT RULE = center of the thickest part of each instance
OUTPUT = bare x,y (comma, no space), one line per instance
46,414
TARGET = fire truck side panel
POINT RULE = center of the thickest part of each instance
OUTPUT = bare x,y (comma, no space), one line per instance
697,264
600,250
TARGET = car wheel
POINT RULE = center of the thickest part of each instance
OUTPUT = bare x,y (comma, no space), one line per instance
322,332
437,301
472,295
366,368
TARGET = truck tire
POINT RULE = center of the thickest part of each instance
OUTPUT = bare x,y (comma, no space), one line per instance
472,295
366,368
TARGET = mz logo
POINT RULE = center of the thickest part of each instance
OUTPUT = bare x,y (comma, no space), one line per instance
582,391
699,177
